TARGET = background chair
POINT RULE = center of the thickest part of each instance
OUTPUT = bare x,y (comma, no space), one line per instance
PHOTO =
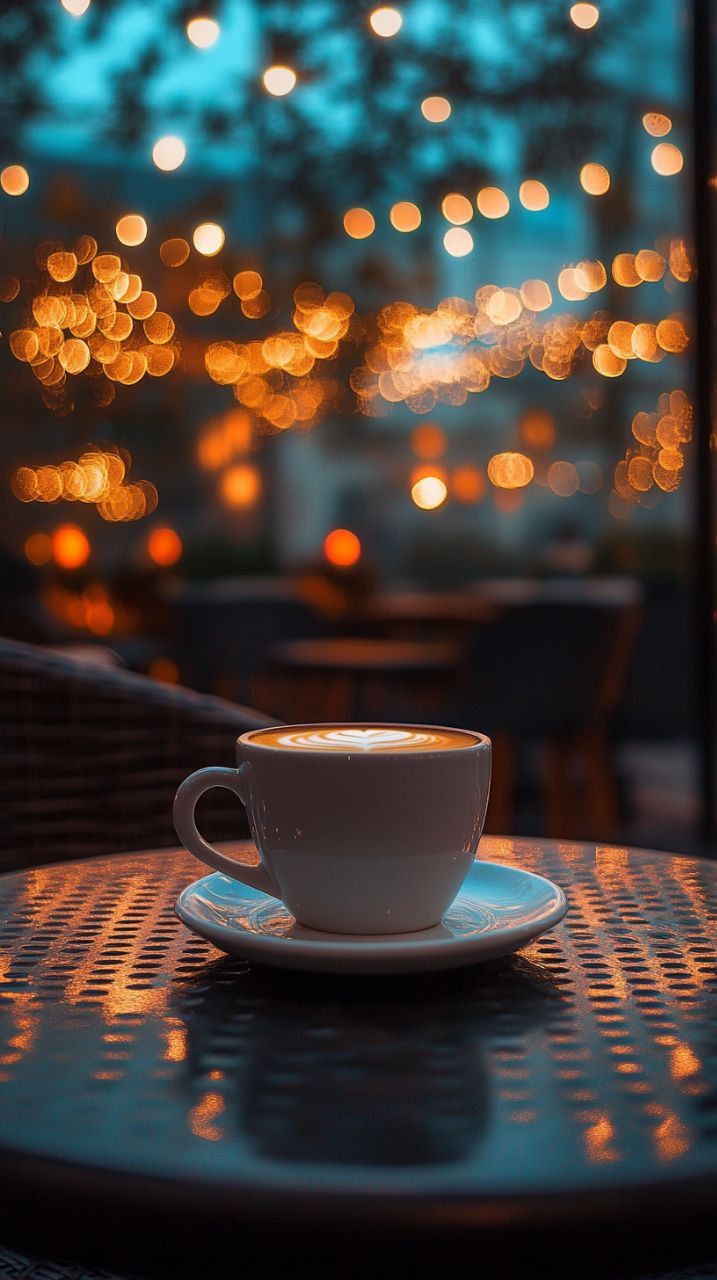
552,670
91,756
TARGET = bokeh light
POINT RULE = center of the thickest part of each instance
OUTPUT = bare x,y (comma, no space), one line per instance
240,486
585,16
359,223
510,470
436,109
492,202
467,484
14,180
458,242
174,252
429,493
208,238
38,548
75,7
279,80
456,208
428,440
247,284
595,179
533,195
203,32
342,548
563,479
169,152
667,159
405,216
386,22
537,429
657,125
164,547
70,547
131,229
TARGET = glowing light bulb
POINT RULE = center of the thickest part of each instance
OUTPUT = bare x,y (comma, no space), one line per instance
169,153
386,22
203,32
75,7
208,238
278,81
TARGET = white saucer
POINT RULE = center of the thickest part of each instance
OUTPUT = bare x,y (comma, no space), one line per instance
498,909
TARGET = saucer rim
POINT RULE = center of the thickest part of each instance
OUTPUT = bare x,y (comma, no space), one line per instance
376,947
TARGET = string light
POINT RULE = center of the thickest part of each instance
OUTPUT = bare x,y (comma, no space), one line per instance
169,152
14,180
386,22
203,32
279,80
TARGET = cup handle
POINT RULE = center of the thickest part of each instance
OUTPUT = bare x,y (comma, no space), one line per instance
185,802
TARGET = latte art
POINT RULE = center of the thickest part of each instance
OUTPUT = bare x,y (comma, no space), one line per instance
349,739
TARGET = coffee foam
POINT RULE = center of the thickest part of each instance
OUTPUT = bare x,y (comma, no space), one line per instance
359,739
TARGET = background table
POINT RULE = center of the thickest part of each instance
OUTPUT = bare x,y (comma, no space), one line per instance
160,1104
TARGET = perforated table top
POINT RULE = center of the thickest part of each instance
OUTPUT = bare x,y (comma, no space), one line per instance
578,1078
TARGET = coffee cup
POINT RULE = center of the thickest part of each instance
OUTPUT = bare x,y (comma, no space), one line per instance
359,828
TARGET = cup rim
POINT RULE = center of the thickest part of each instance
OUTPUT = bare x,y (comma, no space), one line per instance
481,741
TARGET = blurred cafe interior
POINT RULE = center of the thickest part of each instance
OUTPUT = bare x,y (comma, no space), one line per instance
354,368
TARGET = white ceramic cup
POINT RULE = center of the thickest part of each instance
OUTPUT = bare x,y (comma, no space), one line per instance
358,839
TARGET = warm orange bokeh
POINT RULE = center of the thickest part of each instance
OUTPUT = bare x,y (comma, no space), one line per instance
240,486
70,547
164,547
342,548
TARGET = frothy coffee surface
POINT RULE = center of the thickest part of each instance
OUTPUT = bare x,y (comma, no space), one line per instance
364,738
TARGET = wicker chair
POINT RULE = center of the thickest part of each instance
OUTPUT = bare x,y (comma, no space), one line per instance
90,757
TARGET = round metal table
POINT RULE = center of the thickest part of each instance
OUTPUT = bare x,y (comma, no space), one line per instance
160,1103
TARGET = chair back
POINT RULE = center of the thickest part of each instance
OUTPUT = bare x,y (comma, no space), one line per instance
90,757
